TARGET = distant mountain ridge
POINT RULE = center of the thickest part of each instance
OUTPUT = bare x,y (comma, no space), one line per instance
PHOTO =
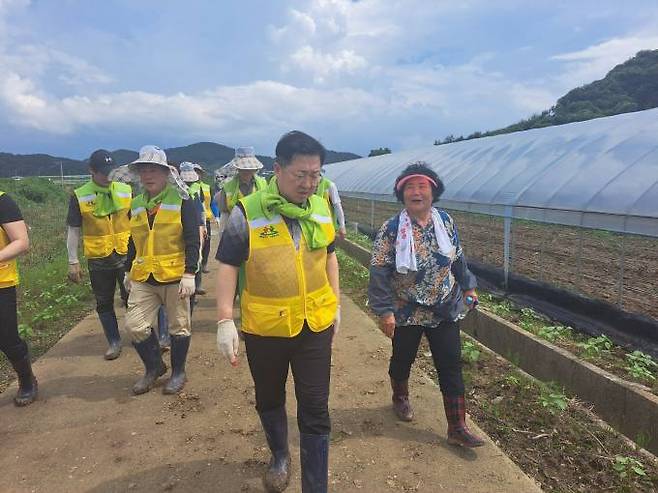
210,154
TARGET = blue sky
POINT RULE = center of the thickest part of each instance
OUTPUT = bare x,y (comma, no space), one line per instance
76,75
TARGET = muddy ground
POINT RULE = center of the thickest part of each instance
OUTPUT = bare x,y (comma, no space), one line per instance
87,432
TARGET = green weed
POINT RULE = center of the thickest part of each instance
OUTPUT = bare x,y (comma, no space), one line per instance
470,351
641,365
552,398
594,346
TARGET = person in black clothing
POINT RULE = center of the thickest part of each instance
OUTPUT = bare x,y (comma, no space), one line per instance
13,242
98,211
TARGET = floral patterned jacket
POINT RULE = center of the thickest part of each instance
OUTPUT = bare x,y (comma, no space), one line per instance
432,294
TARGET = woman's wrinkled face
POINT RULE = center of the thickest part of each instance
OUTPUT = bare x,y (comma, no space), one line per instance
417,195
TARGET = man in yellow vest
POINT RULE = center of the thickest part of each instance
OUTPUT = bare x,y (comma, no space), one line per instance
13,242
280,241
98,211
163,257
207,198
328,190
245,182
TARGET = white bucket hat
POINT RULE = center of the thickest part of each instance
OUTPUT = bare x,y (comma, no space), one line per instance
245,158
187,172
198,168
150,154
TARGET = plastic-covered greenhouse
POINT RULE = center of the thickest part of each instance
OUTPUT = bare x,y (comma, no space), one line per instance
595,183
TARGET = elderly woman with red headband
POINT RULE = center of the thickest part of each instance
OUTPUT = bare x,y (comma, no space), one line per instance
420,284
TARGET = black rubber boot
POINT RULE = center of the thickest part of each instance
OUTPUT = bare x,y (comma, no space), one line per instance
111,329
27,382
275,426
179,348
314,457
401,404
149,352
164,340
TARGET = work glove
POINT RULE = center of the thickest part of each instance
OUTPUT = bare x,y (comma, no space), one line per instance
186,286
75,273
227,340
127,283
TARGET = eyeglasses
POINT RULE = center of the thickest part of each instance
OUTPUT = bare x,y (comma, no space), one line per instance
300,176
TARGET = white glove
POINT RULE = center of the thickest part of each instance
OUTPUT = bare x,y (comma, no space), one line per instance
227,340
186,286
127,283
337,321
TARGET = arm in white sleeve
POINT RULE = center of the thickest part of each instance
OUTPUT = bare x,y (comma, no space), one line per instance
72,242
338,208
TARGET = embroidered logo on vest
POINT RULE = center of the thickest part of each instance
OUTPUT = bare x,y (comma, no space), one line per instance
268,231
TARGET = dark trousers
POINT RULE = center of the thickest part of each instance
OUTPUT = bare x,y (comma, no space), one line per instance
10,342
205,251
445,346
309,356
103,284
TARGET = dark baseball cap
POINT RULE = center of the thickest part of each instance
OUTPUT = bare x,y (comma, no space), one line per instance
102,161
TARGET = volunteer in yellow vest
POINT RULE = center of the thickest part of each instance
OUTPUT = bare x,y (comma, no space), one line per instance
207,199
163,256
13,242
98,211
328,191
191,178
281,242
244,183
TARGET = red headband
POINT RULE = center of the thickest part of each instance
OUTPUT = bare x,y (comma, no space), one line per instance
407,178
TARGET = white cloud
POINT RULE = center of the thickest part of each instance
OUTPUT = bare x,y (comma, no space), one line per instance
593,62
322,65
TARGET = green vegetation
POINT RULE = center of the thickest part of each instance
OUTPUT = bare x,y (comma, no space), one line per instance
641,365
630,86
595,346
379,151
470,351
48,306
552,398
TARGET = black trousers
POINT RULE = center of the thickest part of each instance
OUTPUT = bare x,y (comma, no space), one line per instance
104,284
309,356
10,342
205,251
445,346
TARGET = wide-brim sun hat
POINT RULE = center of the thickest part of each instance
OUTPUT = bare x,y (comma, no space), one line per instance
198,168
187,172
123,174
150,154
245,158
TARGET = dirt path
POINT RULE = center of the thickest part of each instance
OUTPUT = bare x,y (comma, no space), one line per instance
88,433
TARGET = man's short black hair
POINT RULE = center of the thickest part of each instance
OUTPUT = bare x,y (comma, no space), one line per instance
298,143
419,168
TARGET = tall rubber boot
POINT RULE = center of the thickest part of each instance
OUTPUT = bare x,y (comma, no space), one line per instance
179,348
149,352
111,329
163,330
401,404
275,426
458,432
314,457
28,387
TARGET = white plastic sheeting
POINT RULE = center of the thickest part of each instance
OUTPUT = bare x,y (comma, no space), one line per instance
600,173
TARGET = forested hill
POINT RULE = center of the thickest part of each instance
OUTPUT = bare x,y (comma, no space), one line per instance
209,154
630,86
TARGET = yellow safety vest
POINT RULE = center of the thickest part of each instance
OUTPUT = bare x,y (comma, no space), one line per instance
160,250
103,235
206,201
9,269
283,286
232,190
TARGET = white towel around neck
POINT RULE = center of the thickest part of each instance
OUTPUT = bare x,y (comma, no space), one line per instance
405,252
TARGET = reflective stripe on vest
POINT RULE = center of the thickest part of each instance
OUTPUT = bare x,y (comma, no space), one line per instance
160,250
233,193
103,235
323,191
283,287
9,269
